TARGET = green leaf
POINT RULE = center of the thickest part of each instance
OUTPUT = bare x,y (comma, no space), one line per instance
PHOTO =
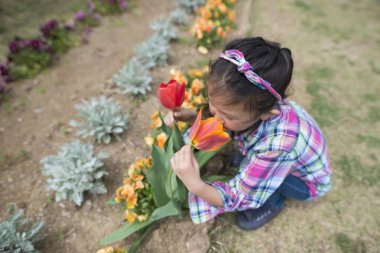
164,127
170,209
203,156
157,175
136,243
177,139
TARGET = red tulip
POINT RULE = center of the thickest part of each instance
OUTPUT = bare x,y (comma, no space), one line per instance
208,134
172,94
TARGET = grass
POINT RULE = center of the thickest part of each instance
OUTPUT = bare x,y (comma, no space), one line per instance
349,245
319,81
335,60
355,171
371,141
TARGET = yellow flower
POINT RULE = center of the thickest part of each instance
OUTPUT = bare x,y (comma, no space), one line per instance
188,97
138,185
195,73
156,121
196,86
106,250
142,217
188,105
130,216
223,8
198,100
205,13
220,32
161,139
202,50
178,76
182,125
118,191
132,201
127,191
231,15
118,200
149,140
214,3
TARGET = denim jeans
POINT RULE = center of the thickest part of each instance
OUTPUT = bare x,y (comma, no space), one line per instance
293,188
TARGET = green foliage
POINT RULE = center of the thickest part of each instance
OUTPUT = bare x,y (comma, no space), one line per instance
15,237
101,118
169,193
153,52
28,63
170,209
348,245
61,40
190,5
73,171
324,112
133,78
179,17
164,28
357,172
109,7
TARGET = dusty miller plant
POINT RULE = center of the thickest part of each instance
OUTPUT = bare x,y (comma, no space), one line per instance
73,171
153,52
14,235
164,28
190,5
101,118
133,78
179,17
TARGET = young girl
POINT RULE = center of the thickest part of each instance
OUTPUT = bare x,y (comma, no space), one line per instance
285,152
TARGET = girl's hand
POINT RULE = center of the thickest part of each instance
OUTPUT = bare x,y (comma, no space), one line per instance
180,114
186,167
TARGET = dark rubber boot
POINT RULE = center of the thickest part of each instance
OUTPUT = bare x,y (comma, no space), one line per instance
252,219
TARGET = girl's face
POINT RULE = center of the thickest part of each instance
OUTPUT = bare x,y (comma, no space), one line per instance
234,117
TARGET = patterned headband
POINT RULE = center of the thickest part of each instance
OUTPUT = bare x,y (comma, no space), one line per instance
237,58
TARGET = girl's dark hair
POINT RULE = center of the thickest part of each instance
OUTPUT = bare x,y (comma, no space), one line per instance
271,62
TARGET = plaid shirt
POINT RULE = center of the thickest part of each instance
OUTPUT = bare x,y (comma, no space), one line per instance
289,143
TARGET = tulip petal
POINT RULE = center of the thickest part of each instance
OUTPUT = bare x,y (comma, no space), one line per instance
212,141
208,126
172,94
194,128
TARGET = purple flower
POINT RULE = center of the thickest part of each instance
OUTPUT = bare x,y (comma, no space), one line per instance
4,73
123,4
37,44
111,1
13,46
49,27
90,7
79,16
86,29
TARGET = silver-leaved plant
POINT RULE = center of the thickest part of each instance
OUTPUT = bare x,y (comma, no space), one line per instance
15,237
153,52
190,5
101,119
164,28
74,171
179,17
133,78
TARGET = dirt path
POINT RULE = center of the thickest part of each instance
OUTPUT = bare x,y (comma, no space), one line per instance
33,121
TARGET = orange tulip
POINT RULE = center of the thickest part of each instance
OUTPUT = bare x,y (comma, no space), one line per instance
172,94
208,134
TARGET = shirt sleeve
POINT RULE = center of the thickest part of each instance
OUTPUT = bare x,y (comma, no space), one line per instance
259,176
